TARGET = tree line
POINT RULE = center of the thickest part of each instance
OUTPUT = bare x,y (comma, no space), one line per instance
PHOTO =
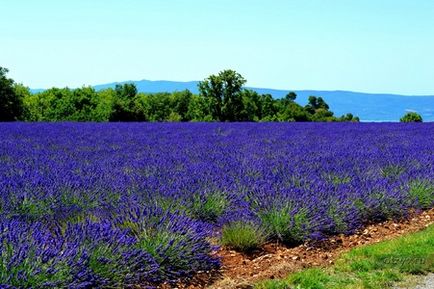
222,97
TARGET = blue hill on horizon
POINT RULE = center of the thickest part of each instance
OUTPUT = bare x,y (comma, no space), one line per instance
368,106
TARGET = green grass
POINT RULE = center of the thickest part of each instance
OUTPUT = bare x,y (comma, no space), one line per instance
336,179
376,266
242,236
392,171
210,207
422,192
285,226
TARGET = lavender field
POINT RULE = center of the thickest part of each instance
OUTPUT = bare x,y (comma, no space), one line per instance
121,204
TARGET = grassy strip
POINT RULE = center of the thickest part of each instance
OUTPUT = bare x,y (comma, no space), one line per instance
375,266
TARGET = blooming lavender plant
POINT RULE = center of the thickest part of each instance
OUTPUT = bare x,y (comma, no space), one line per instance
111,205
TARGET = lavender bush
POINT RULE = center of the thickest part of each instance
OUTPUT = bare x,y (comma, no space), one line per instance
113,205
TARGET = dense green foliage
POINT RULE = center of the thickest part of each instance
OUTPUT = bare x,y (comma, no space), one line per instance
11,98
411,117
222,98
223,95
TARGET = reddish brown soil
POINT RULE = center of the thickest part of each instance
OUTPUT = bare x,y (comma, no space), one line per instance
277,261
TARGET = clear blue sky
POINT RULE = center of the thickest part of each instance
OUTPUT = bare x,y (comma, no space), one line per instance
370,45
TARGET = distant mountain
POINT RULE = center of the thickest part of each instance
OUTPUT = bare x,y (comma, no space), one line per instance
155,86
368,106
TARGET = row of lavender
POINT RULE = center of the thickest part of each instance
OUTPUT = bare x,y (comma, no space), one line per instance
113,205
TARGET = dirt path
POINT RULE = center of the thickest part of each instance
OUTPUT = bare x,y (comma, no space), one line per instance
274,261
240,271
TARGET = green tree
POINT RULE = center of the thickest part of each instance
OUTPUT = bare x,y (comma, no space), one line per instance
179,102
83,102
223,95
318,110
291,96
198,109
311,105
411,117
268,108
349,117
222,98
33,108
50,105
22,92
123,104
291,111
159,106
142,107
11,103
251,105
322,104
322,114
174,117
104,103
315,103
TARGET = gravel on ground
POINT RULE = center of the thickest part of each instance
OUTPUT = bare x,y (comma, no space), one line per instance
420,282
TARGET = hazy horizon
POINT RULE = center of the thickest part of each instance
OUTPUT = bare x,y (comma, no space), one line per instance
366,47
248,86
